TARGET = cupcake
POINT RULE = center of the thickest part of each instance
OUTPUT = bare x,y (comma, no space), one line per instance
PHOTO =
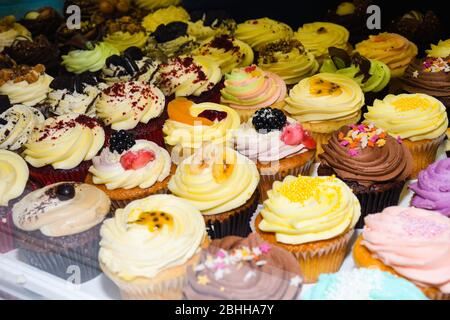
430,75
353,16
317,37
288,59
363,284
324,103
10,30
250,89
431,190
57,228
421,28
130,169
25,85
390,48
227,51
92,59
124,33
147,248
410,243
417,119
62,149
156,4
69,39
279,146
235,268
14,176
170,40
132,65
210,22
372,163
17,124
222,184
190,125
36,51
74,93
373,76
259,32
43,21
164,16
133,106
313,218
198,78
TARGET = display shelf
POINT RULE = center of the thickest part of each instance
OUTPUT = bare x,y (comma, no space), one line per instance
25,282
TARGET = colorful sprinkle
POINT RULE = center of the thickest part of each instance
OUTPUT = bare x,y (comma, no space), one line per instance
360,137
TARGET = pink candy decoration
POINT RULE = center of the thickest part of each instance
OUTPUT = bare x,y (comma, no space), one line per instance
292,134
265,248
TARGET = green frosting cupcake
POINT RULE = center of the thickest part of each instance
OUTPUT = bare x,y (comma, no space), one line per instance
92,59
371,75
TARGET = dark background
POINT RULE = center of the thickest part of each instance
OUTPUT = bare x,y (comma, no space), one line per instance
297,12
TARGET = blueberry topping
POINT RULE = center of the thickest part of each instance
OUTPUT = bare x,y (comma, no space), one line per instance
65,191
5,104
171,31
363,64
121,141
268,119
134,53
213,115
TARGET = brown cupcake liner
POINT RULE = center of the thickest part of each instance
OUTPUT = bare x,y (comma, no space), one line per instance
423,153
266,180
327,259
232,223
376,201
80,259
435,294
48,175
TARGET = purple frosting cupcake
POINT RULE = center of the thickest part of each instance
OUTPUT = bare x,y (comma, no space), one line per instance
432,189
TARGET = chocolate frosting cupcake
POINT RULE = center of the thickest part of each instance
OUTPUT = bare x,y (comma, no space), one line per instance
43,21
429,76
385,161
37,51
244,268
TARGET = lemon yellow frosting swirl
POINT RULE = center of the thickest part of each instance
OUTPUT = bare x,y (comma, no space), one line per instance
409,116
311,100
28,94
440,50
13,176
259,32
390,48
79,61
124,104
202,180
292,65
317,37
131,249
227,51
164,16
64,142
306,209
123,40
107,169
189,136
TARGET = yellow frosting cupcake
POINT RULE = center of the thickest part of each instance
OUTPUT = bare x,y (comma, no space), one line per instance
317,37
312,217
440,50
323,103
393,49
164,16
10,30
123,40
259,32
14,175
156,4
418,119
288,59
227,51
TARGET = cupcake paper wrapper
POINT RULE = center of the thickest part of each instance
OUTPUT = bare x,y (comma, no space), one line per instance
374,202
236,224
63,263
6,233
266,181
435,294
47,175
423,153
329,259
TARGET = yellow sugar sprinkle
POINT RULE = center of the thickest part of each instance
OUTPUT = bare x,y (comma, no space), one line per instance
303,188
381,143
411,103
